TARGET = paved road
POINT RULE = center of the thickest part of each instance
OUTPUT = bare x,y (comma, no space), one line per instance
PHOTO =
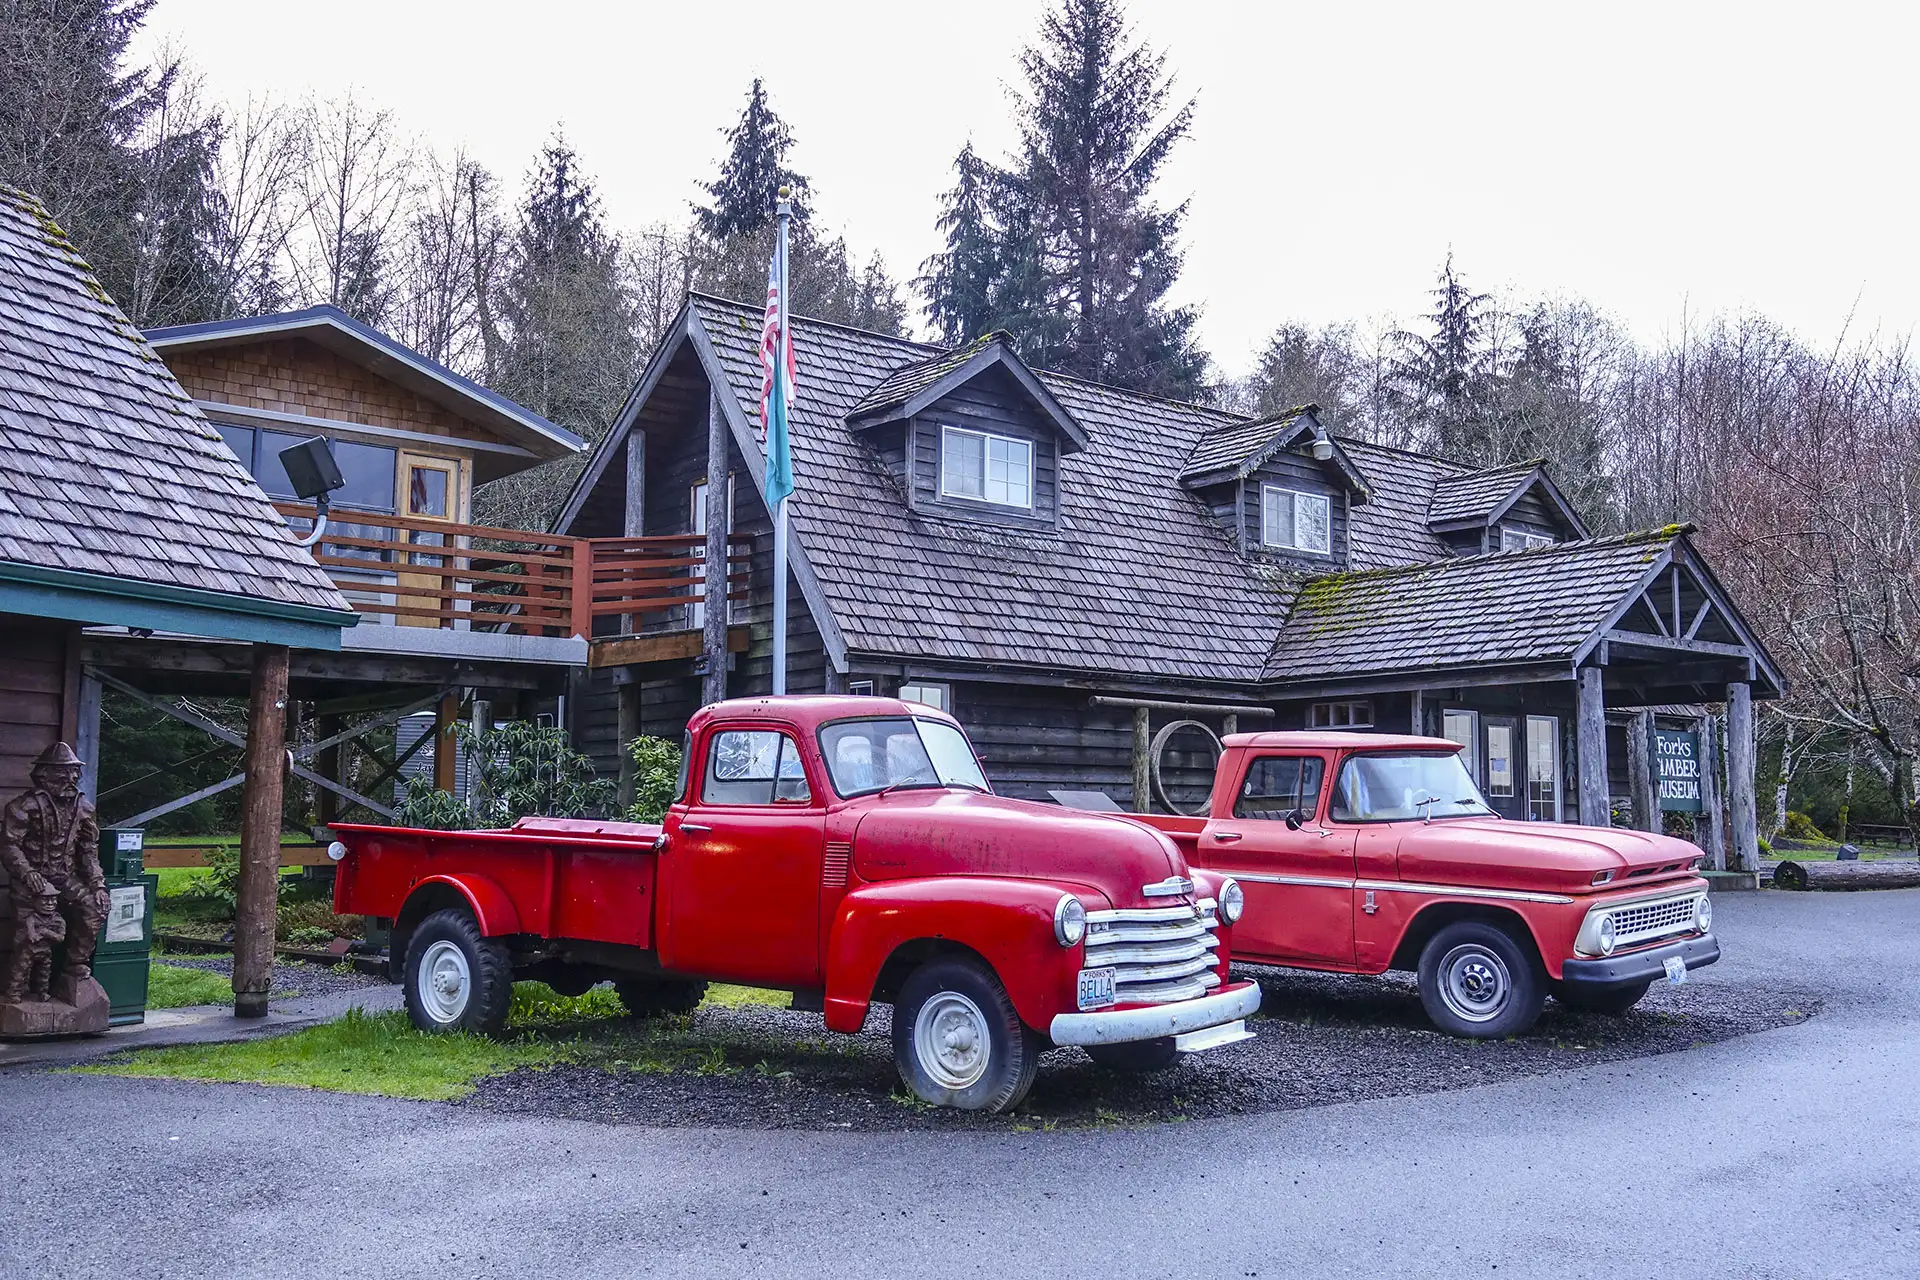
1791,1153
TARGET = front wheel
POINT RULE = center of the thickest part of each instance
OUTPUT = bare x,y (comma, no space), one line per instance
455,979
957,1040
1478,980
1613,1001
1137,1057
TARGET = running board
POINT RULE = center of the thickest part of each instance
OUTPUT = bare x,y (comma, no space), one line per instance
1213,1037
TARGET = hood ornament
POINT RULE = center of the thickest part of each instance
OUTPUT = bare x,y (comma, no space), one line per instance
1171,887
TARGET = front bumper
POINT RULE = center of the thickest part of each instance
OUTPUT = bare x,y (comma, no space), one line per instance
1636,967
1180,1019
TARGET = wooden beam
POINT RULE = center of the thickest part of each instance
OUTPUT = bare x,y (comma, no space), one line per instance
292,854
255,912
1712,835
1646,806
713,688
1590,740
665,646
86,737
1646,641
1187,708
626,729
1142,760
1743,803
445,749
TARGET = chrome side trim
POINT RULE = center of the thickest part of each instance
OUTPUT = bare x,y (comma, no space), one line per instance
1145,915
1315,882
1458,891
1125,1025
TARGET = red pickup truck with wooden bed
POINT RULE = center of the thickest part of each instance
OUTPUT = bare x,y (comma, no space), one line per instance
1362,852
846,849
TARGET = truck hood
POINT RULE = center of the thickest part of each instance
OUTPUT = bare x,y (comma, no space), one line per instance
935,833
1536,855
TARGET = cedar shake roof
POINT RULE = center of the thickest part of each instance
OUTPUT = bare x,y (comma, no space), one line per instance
913,387
1235,450
1482,611
106,466
1391,528
1476,495
902,385
1137,581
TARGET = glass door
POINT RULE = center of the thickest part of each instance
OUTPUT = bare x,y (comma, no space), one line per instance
1501,785
429,494
1543,768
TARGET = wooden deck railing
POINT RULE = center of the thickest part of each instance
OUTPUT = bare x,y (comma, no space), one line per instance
435,573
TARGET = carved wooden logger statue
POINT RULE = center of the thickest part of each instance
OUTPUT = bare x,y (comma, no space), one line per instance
49,848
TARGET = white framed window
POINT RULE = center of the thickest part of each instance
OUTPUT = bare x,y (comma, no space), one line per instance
1341,715
986,467
1462,726
1543,768
928,693
860,688
697,525
1499,783
1296,521
1512,539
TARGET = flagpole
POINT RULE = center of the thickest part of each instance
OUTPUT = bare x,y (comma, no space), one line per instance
785,212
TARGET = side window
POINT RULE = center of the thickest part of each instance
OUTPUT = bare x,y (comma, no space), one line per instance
1277,785
686,767
754,766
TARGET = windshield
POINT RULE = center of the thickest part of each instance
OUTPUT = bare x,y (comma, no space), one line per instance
865,756
1387,788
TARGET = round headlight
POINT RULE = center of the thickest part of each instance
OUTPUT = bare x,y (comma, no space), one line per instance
1069,920
1603,934
336,851
1233,902
1703,914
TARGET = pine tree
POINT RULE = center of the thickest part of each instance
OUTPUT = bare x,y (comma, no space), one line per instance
745,192
961,282
1446,374
1091,257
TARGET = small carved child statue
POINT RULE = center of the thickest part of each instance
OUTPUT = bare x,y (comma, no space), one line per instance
49,846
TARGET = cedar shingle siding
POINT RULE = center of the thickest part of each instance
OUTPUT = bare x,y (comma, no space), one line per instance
106,466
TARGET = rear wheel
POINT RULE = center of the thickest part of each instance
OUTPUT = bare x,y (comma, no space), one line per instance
1614,1001
957,1040
457,980
1478,980
651,997
1136,1058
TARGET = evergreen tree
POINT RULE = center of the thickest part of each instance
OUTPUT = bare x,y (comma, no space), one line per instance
821,277
745,192
961,282
1301,366
1088,256
1445,375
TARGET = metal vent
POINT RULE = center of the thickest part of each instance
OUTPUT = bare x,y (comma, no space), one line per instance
833,872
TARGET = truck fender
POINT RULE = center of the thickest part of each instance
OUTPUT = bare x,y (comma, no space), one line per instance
492,909
1007,923
1532,923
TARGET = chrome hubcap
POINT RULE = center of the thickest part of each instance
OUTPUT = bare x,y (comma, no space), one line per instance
951,1039
445,982
1474,983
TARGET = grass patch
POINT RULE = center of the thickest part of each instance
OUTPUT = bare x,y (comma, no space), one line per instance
172,987
361,1053
722,996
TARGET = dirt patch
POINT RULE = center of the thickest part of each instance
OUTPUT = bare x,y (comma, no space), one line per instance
1321,1039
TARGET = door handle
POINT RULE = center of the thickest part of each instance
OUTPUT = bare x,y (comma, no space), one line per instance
1226,837
694,826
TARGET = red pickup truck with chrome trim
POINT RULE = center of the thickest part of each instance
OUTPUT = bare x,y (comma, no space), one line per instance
847,849
1362,852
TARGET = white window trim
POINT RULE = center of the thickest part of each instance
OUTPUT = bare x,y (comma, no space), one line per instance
1298,495
1526,537
945,692
1470,749
986,438
1559,767
1351,704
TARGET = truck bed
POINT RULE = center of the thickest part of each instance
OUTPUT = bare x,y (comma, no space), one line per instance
550,877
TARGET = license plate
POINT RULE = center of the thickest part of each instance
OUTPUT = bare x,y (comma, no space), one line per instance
1676,970
1096,988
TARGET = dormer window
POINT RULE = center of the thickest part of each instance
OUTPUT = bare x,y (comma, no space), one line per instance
1512,539
984,467
1294,521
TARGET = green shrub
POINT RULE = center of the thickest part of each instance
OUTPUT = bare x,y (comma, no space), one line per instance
1800,827
516,770
221,884
656,764
423,805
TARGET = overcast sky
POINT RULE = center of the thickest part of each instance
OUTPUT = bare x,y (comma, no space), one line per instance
1659,159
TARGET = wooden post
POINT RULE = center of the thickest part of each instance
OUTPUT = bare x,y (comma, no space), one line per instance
1743,803
713,586
260,812
634,523
326,805
1646,805
86,735
446,776
580,588
1713,810
627,728
1229,725
1418,714
1590,741
1142,763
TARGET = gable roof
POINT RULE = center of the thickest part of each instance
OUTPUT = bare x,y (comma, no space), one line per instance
1479,498
912,388
1503,609
1235,450
340,333
1391,528
112,484
1136,581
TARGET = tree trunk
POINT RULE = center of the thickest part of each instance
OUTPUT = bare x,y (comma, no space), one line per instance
256,910
1847,875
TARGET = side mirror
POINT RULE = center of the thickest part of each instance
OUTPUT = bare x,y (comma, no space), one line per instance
1296,819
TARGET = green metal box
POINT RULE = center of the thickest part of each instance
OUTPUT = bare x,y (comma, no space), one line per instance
122,961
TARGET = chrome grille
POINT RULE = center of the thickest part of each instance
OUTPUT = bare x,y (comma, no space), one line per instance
1645,921
1158,954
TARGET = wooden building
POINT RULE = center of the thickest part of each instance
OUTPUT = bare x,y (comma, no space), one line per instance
1094,581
